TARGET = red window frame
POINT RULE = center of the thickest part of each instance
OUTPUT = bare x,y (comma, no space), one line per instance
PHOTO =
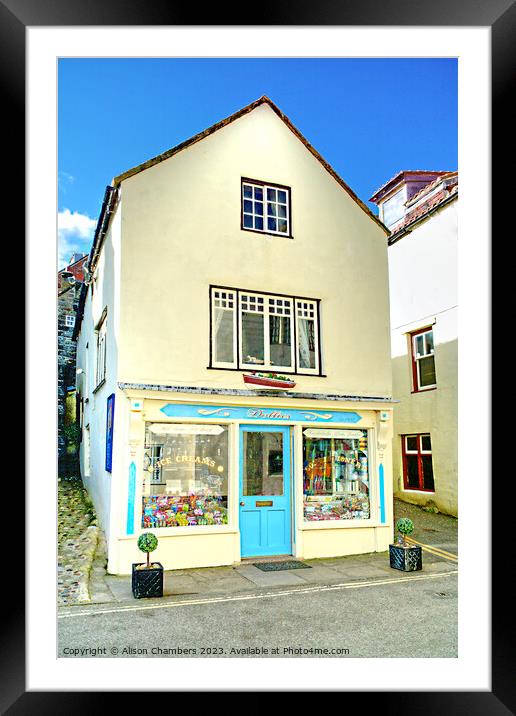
420,453
415,382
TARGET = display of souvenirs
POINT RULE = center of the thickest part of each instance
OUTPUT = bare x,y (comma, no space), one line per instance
346,508
335,478
183,511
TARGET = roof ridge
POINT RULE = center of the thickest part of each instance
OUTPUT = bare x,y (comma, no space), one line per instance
264,99
400,174
429,187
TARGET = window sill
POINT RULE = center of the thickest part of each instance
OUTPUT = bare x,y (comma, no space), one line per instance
99,386
182,531
267,233
268,370
341,524
423,390
418,491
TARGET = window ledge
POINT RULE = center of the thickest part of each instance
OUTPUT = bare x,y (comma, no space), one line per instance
183,531
417,491
267,233
268,370
348,524
424,390
99,386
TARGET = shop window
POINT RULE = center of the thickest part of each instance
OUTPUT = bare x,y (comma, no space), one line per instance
418,472
100,373
265,208
260,331
185,475
423,361
335,475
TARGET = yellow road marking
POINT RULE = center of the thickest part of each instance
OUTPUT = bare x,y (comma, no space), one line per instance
267,595
435,550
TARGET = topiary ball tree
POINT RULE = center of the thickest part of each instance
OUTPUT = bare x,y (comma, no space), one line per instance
147,542
405,527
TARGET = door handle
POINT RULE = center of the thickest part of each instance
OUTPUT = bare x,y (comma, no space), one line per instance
242,504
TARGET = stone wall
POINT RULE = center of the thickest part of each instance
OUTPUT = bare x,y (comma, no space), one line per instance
67,302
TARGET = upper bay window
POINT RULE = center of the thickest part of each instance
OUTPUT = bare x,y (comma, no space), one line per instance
423,361
252,330
266,208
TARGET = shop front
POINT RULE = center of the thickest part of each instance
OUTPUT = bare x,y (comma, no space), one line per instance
261,477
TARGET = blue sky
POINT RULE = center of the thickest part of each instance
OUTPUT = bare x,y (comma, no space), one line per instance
369,118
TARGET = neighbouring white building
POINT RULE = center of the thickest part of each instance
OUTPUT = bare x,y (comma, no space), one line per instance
234,354
420,209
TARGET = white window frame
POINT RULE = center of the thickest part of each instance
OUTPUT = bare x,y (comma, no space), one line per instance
273,304
69,321
265,214
306,308
220,298
266,365
100,368
416,357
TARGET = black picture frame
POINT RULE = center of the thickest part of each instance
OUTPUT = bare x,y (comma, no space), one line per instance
500,16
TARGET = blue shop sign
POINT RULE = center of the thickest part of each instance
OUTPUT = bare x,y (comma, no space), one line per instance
176,410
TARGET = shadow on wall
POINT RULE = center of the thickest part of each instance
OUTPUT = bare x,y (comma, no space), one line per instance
433,412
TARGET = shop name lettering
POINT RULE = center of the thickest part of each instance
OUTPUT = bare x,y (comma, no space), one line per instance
277,414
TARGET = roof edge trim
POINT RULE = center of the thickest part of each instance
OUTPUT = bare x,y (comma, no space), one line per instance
228,120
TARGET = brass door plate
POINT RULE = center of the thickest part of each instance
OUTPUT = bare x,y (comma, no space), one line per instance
263,503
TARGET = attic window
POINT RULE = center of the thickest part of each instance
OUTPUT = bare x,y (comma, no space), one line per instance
266,208
393,208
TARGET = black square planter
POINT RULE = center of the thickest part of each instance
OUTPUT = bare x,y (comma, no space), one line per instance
147,582
407,559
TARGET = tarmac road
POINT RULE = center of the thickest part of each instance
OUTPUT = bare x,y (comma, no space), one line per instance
404,615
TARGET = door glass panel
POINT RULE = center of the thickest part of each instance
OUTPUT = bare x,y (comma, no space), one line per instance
263,464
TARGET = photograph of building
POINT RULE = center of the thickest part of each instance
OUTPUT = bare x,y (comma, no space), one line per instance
221,261
257,358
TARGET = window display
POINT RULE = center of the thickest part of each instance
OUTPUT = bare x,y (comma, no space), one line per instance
185,475
335,475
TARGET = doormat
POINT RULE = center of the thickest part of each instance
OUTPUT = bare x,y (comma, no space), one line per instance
280,566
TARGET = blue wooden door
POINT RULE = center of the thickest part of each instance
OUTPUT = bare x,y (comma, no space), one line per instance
265,491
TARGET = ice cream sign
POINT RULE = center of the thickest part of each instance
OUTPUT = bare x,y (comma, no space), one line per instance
229,412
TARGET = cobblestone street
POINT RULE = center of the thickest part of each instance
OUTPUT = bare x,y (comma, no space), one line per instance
77,533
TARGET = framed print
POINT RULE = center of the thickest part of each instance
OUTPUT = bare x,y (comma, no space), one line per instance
179,472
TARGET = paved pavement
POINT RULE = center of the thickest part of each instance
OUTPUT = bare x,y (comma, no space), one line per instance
356,603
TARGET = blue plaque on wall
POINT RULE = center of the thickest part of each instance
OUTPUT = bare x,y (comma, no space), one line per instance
110,417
